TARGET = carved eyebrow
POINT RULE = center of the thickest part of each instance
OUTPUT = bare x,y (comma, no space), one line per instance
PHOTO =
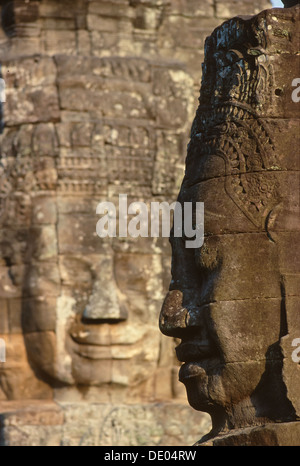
236,52
231,55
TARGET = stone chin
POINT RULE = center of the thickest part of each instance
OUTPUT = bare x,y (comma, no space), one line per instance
203,384
212,385
195,380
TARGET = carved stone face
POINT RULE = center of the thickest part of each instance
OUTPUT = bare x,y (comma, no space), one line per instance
233,301
104,330
226,303
89,314
87,307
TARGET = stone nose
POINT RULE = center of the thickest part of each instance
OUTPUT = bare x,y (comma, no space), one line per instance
174,316
105,305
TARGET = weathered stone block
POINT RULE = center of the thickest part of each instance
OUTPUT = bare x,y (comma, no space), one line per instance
42,101
235,7
63,41
43,243
41,279
44,140
77,235
44,210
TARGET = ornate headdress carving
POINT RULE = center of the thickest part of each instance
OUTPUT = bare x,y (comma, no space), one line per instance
235,88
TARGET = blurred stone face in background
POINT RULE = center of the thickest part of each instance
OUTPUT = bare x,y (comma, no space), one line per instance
88,306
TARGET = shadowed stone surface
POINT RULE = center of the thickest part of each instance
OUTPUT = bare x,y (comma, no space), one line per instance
234,303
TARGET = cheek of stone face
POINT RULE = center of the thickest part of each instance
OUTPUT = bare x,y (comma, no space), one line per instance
238,380
245,330
238,267
17,380
41,351
139,278
208,257
77,278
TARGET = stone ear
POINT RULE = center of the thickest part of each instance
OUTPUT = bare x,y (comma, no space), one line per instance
282,218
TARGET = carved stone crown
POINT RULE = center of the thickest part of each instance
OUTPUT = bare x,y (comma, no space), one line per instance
237,82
